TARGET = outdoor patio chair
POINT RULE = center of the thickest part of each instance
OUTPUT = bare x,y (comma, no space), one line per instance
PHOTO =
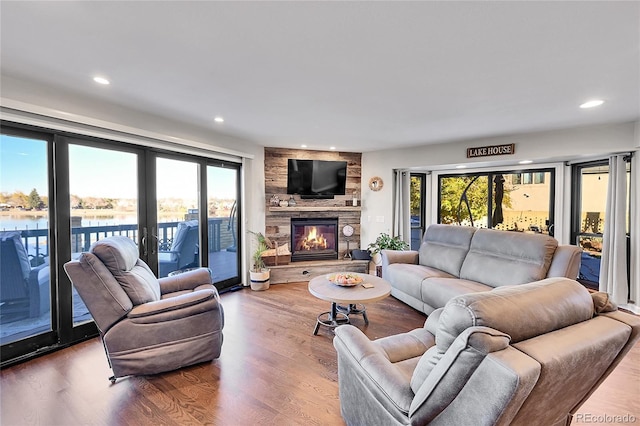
183,249
147,325
22,295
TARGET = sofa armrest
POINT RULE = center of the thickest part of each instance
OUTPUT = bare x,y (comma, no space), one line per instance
185,281
370,364
398,256
566,262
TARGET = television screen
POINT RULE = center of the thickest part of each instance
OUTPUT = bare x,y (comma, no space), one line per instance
316,178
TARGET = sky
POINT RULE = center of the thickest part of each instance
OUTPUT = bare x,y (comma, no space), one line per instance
103,173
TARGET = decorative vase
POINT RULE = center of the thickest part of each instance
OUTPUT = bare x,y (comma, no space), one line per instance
292,202
260,279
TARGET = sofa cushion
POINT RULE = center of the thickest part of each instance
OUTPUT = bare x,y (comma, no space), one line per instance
444,247
437,291
498,258
408,278
120,256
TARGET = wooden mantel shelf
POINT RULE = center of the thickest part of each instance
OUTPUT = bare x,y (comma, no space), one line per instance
315,209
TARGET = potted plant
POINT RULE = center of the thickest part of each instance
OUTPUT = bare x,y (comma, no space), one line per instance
259,273
385,242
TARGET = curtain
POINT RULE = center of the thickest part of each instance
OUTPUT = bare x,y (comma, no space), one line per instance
402,206
613,266
635,231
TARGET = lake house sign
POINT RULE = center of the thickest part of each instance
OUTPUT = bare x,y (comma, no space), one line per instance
485,151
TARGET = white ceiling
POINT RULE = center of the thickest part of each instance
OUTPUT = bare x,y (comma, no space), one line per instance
359,76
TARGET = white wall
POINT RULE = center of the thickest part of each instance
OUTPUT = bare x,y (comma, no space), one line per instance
548,148
68,105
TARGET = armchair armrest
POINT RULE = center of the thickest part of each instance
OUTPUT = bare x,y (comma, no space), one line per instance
36,299
369,363
186,281
181,306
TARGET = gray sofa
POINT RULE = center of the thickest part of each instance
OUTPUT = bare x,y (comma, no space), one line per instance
455,260
526,354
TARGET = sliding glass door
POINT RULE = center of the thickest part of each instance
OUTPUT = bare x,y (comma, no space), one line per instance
25,285
103,201
222,219
177,233
588,207
59,194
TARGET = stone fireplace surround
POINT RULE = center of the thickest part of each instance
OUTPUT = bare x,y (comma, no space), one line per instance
278,219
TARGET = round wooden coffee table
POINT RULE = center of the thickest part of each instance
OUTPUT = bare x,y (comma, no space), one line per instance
346,301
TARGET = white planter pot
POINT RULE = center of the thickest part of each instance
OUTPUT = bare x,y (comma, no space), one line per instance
260,280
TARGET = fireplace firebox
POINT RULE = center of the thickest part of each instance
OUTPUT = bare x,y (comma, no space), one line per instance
314,239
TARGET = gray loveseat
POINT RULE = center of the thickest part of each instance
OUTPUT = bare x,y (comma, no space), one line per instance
455,260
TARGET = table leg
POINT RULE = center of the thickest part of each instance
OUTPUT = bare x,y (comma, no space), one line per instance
353,309
333,319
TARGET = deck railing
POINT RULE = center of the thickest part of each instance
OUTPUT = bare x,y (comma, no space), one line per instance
35,240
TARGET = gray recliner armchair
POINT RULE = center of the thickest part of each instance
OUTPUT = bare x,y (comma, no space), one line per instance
148,325
529,354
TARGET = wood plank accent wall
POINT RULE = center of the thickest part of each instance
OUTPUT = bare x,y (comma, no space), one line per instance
278,221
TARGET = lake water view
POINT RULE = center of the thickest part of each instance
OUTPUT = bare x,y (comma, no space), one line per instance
20,222
11,222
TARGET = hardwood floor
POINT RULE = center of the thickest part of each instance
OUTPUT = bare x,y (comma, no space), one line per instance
272,371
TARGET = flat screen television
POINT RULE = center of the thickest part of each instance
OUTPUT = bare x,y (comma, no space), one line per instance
316,178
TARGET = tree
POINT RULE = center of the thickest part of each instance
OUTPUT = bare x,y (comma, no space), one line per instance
415,195
34,201
18,199
453,209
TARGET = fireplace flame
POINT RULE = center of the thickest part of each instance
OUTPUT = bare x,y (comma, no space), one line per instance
313,240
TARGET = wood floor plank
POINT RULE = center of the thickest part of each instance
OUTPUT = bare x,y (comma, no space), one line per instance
272,370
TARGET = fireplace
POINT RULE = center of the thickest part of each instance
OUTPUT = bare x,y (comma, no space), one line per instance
314,239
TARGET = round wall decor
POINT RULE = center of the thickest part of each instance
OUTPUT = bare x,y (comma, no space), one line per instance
375,183
347,231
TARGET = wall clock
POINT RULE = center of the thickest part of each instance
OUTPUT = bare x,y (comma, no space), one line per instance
375,183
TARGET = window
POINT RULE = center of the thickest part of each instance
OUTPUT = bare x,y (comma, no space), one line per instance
514,201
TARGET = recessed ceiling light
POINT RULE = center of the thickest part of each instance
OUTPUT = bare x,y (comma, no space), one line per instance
101,80
332,148
525,162
218,119
591,104
303,146
461,166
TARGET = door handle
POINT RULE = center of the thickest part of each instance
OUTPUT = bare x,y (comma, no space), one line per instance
154,243
143,241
